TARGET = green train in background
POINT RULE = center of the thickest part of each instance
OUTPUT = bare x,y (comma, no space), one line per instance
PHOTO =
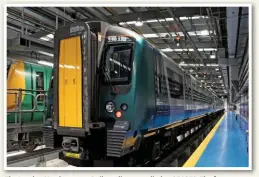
27,100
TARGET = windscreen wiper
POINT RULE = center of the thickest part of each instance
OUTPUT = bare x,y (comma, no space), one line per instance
108,79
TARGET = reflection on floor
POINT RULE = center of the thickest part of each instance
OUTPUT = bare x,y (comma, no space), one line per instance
228,147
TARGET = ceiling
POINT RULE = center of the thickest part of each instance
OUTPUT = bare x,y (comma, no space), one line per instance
213,41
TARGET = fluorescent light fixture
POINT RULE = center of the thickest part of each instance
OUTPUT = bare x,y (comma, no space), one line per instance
45,38
217,69
184,18
166,19
212,56
46,53
210,49
203,33
186,49
131,22
184,64
219,76
152,35
139,22
213,64
191,33
50,36
151,21
45,63
178,50
167,50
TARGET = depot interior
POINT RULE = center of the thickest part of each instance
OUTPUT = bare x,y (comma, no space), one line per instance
209,43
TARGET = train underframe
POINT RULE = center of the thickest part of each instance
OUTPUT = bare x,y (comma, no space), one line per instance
92,150
25,137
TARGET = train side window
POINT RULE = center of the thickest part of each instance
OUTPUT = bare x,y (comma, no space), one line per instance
175,82
40,85
160,79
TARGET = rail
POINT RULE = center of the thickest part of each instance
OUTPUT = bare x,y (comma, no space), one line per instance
37,158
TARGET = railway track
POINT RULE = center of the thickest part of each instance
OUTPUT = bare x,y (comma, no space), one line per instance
37,158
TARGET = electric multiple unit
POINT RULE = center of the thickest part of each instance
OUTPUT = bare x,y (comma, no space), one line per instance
116,95
27,86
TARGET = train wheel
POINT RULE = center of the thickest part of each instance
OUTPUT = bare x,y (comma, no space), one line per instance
27,146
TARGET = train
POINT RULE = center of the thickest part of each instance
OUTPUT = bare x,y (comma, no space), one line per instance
27,87
117,96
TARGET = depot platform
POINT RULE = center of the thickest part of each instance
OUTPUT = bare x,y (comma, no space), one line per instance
225,146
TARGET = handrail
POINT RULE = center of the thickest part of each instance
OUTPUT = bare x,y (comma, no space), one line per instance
30,90
18,111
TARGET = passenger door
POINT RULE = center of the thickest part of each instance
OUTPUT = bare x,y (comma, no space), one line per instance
39,85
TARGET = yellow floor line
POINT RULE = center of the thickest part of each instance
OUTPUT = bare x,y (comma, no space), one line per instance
191,162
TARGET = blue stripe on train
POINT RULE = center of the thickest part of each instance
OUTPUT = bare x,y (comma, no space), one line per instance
175,115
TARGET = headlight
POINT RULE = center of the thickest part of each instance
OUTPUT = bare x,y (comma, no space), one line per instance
110,107
124,106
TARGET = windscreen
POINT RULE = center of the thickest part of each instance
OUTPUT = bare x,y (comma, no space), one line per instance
118,62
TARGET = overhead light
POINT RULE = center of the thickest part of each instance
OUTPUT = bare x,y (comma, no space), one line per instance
191,70
177,44
45,63
219,76
167,19
191,64
45,53
196,75
212,56
217,69
222,85
50,35
213,64
139,22
163,35
179,50
204,32
167,50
